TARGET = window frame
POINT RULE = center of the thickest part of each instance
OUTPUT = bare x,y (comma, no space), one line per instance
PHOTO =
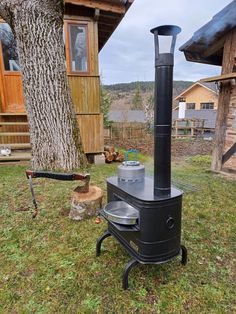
191,103
6,72
207,104
67,24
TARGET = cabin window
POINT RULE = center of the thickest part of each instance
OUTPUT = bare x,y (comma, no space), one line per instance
207,105
190,105
9,49
78,47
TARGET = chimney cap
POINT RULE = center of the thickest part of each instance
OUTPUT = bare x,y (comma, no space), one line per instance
166,30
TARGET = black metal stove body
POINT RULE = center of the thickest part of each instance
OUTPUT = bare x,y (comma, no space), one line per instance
156,237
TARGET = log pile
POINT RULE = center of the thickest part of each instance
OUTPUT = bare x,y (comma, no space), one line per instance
112,155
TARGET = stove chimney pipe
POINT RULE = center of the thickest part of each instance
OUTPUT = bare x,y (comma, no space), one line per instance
164,63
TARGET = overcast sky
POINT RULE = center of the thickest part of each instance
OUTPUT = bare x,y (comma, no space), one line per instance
129,53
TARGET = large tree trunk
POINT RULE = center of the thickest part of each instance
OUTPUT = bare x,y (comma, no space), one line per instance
38,29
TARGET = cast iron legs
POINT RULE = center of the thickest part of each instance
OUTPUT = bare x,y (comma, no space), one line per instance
184,255
125,277
134,262
105,235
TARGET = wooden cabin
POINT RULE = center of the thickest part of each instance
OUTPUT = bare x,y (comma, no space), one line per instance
87,27
215,43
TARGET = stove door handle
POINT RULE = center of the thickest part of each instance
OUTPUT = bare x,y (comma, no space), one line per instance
170,222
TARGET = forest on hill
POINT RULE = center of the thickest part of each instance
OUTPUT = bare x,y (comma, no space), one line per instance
136,95
145,86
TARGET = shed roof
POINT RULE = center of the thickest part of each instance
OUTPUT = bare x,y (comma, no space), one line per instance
127,116
108,13
206,44
208,115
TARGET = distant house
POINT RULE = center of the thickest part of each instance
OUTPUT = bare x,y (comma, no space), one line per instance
200,96
215,43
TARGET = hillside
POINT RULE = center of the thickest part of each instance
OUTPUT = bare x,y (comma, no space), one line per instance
134,95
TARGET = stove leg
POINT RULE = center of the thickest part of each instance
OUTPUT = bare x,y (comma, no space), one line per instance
184,255
128,267
105,235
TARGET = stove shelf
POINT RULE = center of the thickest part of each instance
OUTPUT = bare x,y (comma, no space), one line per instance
124,228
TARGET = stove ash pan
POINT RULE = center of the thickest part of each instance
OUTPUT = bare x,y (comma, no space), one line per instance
156,236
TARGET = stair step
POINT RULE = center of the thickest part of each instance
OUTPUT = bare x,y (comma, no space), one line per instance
13,123
14,134
16,157
17,145
13,114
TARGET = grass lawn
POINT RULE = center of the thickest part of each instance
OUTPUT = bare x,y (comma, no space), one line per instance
48,265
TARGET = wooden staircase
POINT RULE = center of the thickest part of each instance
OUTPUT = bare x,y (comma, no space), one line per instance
14,133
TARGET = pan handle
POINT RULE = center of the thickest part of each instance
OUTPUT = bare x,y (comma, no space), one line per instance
57,176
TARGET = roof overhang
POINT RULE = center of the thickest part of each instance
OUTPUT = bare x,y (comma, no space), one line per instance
207,43
108,14
198,83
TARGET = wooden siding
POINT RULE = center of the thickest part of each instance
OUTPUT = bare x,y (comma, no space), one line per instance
85,90
199,94
228,67
91,129
85,94
13,93
225,134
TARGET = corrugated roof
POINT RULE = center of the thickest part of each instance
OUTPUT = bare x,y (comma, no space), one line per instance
195,49
211,85
127,116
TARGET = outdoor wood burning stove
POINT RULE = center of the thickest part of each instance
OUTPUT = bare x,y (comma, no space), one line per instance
154,233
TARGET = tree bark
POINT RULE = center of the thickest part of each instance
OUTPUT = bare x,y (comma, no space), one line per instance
38,29
85,205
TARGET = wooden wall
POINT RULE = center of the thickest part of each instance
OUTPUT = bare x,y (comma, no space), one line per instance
85,90
85,93
91,128
199,94
225,131
13,90
230,137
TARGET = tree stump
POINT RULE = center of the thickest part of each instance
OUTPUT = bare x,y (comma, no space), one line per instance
85,204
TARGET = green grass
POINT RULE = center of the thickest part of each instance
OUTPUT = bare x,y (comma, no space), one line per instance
48,265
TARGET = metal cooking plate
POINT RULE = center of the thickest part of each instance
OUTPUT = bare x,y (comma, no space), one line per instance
122,213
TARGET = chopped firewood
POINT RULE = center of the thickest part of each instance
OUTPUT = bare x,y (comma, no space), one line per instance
112,155
119,157
109,157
